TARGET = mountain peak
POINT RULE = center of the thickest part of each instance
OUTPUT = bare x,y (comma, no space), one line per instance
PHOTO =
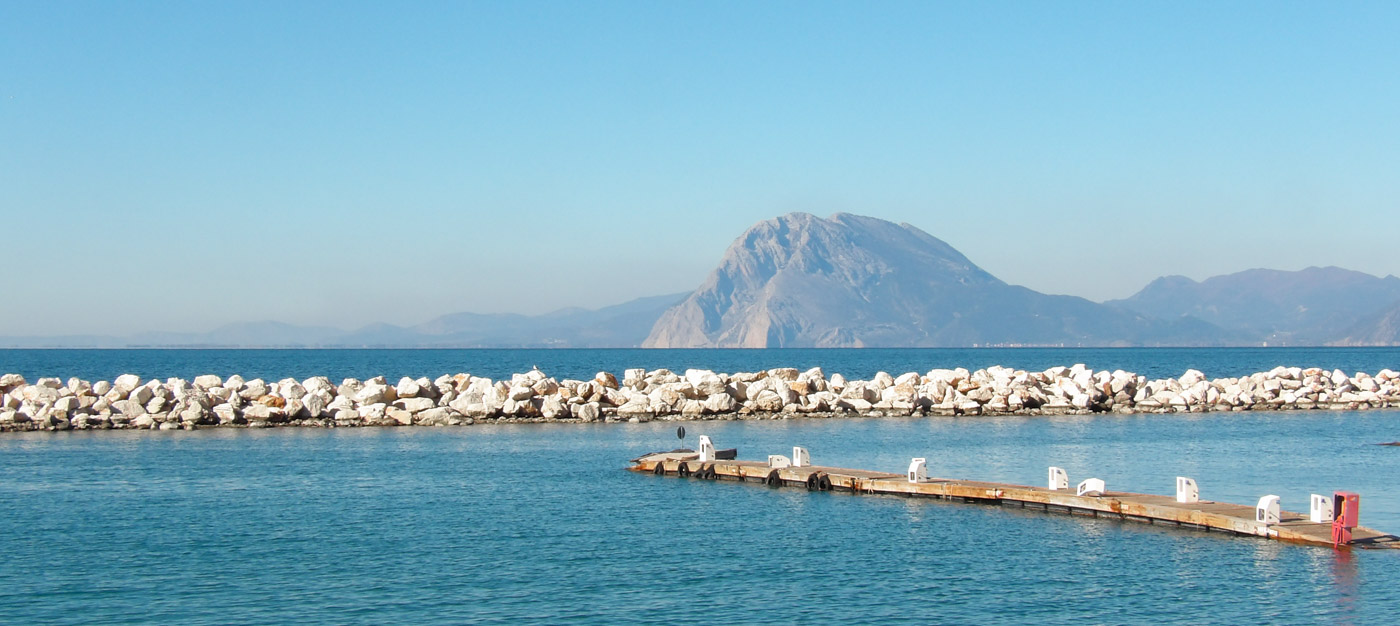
852,281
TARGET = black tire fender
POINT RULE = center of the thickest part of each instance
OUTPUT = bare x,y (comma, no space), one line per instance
773,479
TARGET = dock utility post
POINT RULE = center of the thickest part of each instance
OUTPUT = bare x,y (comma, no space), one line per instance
707,450
1347,506
1320,512
778,461
1186,491
1059,480
918,470
1092,487
800,458
1267,510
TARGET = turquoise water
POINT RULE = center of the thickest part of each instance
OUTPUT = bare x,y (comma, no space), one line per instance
540,523
583,364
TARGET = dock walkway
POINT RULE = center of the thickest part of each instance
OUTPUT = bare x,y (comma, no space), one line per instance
1153,509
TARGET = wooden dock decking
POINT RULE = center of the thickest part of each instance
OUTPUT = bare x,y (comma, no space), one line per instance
1154,509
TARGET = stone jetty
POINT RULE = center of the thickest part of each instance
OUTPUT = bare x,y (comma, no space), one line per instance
463,399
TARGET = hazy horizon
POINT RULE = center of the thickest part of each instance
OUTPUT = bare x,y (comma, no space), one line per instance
179,167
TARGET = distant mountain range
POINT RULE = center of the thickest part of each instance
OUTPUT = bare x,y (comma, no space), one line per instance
1314,306
851,281
620,325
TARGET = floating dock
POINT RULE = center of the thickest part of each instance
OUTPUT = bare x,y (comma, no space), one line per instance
1265,520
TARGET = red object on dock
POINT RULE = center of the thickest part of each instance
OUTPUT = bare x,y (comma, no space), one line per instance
1347,513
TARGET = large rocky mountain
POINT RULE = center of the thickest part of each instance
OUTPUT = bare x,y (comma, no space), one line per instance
851,281
1313,306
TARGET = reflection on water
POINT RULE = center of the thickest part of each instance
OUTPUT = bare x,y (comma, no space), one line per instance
1342,565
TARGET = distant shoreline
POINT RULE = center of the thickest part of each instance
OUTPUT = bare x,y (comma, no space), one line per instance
852,349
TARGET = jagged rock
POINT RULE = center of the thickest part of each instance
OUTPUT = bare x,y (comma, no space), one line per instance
635,407
314,405
349,388
426,388
474,410
783,373
520,393
415,405
141,394
125,383
319,384
290,389
551,408
719,403
514,408
407,388
666,397
588,411
399,415
768,401
373,411
375,393
905,392
545,387
446,383
191,416
156,405
225,413
440,416
130,408
253,389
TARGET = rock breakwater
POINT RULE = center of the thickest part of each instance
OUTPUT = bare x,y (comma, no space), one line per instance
462,399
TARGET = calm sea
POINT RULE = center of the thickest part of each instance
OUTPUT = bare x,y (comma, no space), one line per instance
583,364
540,523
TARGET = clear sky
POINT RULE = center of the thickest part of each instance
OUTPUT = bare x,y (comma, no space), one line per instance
179,165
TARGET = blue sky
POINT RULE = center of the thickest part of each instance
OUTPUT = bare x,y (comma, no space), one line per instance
179,165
